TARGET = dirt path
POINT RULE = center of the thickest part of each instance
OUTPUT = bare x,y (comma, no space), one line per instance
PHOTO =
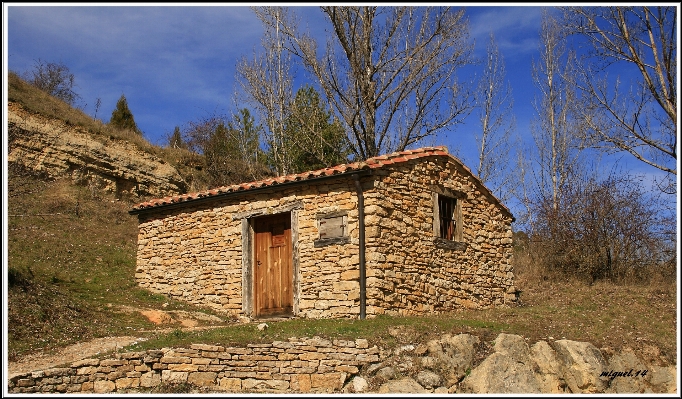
69,354
187,321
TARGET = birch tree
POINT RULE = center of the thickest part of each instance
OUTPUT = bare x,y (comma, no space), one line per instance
494,103
268,83
554,126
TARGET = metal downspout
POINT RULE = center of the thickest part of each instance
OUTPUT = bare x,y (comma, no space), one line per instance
361,258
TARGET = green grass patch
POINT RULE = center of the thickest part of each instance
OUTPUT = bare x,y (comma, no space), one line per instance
384,331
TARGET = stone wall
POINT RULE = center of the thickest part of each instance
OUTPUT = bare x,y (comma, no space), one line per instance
408,272
198,253
298,365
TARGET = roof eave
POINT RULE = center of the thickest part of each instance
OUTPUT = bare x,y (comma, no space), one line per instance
201,200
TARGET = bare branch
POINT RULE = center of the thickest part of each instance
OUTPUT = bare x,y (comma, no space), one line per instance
642,121
389,72
494,102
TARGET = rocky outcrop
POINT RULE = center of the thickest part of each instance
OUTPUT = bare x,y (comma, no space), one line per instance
560,367
56,149
582,364
508,370
452,355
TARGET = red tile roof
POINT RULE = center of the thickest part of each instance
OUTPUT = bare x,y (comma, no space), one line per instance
371,163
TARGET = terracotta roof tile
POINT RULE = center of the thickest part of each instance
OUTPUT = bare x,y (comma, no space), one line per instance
371,163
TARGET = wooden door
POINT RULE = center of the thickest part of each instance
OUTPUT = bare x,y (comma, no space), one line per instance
273,273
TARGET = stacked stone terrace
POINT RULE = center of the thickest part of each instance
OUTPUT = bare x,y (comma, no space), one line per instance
306,365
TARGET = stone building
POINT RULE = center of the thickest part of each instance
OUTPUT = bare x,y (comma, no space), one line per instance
407,233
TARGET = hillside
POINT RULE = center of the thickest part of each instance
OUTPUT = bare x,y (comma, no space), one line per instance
72,247
56,140
55,149
71,241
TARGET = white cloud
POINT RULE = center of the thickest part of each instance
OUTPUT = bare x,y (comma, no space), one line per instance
515,28
166,55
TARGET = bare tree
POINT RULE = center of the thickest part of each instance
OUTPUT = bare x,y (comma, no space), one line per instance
389,72
641,121
55,79
605,229
196,134
495,105
268,83
230,146
554,127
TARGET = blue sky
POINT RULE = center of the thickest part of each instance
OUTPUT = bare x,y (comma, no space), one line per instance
176,64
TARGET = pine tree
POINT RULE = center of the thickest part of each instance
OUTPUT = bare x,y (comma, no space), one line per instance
175,140
312,138
122,118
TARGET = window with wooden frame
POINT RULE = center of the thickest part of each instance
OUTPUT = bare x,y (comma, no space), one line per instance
447,218
333,228
447,214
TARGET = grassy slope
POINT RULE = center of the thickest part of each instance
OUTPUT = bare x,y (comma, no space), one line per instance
71,251
72,264
611,317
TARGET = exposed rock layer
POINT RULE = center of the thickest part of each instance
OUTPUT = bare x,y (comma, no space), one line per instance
56,149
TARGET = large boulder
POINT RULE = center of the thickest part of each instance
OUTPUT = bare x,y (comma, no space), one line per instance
451,356
633,382
582,365
513,346
500,373
403,385
548,368
663,379
508,370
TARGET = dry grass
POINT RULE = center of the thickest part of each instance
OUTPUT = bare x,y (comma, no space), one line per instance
39,102
609,315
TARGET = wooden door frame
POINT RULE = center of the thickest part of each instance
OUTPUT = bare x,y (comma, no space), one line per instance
248,255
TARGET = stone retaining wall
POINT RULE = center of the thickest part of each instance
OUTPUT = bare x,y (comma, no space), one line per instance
303,365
